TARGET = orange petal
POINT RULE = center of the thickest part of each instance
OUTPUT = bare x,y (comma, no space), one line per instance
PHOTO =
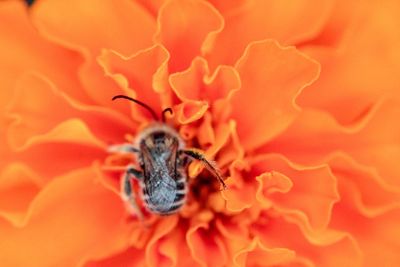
18,186
256,254
206,135
100,87
378,144
235,233
220,136
242,191
69,131
5,150
132,257
144,75
363,65
338,250
313,190
231,228
206,247
271,182
197,83
188,84
56,151
164,251
38,112
382,230
183,26
104,26
272,76
223,82
82,28
233,150
247,21
153,6
372,140
22,49
363,187
187,131
86,219
154,255
190,111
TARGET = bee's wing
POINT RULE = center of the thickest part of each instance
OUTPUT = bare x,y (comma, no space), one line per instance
171,162
155,173
148,161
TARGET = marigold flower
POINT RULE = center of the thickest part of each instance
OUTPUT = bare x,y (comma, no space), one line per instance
296,101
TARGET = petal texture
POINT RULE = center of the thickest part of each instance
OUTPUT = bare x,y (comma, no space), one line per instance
53,212
272,77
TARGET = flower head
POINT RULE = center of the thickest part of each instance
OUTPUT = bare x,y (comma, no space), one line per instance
296,102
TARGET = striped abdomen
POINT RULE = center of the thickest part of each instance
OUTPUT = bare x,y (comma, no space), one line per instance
164,196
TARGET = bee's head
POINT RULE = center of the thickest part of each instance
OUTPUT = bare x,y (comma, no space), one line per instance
160,140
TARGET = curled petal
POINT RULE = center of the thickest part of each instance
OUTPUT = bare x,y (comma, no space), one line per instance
235,233
288,22
190,111
166,252
241,193
206,135
272,182
78,19
56,151
184,35
105,23
382,147
221,135
362,187
372,140
360,58
142,75
272,77
256,254
328,249
39,106
154,248
197,82
69,131
233,150
18,187
188,84
92,218
100,87
312,190
206,247
382,230
23,49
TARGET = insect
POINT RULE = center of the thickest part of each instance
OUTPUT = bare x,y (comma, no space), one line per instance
163,161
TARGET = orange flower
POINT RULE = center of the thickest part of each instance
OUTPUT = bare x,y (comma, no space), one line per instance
297,102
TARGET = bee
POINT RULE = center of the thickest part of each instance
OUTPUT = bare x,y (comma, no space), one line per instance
163,161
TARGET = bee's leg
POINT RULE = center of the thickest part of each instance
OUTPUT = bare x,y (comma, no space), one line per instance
210,165
127,192
123,148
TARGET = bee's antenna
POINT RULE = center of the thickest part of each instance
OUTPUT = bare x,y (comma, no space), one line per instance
165,111
139,103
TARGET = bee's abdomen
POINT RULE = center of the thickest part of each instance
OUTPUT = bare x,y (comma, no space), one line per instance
168,204
179,200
